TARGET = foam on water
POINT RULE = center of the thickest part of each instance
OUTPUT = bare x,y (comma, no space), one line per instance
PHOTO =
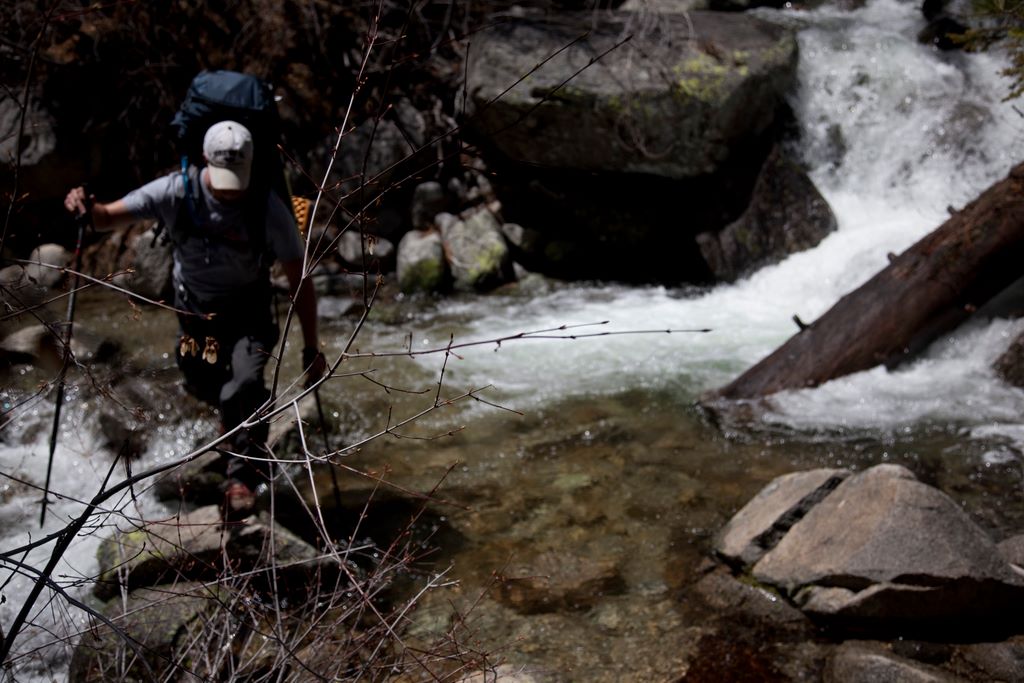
80,465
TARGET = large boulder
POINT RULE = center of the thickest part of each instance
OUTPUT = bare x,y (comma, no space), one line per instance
46,263
881,548
675,100
477,255
366,251
786,214
624,135
43,346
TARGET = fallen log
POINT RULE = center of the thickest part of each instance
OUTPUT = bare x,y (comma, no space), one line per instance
930,288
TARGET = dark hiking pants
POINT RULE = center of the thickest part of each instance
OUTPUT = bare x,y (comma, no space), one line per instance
223,361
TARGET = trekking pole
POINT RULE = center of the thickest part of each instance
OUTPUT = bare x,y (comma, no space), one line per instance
327,449
82,220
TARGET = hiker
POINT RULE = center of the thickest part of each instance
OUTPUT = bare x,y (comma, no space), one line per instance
225,236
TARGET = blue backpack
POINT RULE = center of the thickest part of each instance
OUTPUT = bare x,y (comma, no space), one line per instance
228,95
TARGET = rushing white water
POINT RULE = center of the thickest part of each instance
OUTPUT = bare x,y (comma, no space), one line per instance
893,131
77,475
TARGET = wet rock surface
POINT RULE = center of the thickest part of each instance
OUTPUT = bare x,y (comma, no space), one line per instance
151,625
786,214
1010,365
198,545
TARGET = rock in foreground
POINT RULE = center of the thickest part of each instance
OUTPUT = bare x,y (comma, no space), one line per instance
881,548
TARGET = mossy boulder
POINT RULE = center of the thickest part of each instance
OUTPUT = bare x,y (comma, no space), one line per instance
674,98
421,263
198,545
153,628
477,254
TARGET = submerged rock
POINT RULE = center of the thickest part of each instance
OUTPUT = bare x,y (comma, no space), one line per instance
559,580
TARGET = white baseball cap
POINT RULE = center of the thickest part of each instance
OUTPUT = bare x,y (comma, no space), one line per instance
227,147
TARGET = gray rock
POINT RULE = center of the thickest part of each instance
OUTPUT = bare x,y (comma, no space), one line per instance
854,662
374,148
1010,365
1012,550
524,239
160,622
44,346
476,251
727,595
18,291
762,522
47,168
884,546
379,252
151,261
197,545
786,214
663,103
38,137
421,262
45,264
999,661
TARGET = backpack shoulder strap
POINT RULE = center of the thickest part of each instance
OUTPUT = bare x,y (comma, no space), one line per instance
186,220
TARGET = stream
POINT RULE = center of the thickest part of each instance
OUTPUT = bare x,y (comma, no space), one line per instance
587,461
